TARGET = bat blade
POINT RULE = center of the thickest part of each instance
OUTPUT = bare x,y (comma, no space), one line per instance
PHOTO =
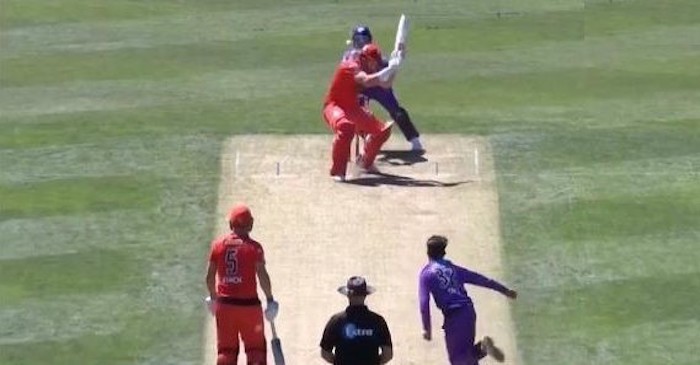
401,33
276,345
277,353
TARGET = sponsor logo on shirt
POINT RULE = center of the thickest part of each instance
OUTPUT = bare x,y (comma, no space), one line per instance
351,331
232,279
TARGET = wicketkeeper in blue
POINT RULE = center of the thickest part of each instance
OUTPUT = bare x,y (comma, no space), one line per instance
361,36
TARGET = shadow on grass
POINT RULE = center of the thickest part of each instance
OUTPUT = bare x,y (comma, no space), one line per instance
382,178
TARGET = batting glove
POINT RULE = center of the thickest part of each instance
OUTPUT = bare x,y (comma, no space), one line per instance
210,305
271,310
394,62
398,54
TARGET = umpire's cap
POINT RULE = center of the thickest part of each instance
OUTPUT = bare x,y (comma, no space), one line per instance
356,286
240,216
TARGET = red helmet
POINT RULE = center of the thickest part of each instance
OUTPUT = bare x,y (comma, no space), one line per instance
371,52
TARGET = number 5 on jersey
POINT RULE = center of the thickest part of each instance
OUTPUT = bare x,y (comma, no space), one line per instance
231,261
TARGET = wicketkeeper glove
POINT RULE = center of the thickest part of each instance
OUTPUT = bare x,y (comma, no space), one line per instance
271,310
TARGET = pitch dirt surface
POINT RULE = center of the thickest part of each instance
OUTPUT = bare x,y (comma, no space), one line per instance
317,233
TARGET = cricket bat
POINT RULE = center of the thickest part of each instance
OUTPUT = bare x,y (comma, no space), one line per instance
401,35
399,43
276,345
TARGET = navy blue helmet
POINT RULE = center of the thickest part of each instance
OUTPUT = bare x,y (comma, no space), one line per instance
361,36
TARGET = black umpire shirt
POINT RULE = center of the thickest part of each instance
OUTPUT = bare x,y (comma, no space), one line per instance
357,335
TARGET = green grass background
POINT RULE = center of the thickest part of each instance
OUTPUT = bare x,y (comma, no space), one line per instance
112,114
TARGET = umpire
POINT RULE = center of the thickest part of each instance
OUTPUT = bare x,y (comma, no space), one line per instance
356,336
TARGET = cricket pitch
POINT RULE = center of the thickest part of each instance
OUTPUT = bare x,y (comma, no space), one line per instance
316,233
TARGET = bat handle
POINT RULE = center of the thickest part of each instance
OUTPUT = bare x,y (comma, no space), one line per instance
274,330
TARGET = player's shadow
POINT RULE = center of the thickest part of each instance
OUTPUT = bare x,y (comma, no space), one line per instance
401,157
382,178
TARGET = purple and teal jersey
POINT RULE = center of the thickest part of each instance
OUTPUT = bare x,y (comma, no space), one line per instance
445,281
349,53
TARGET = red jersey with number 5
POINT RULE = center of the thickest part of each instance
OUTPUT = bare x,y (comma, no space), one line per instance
236,258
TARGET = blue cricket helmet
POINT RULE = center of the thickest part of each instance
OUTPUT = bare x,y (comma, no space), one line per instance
360,36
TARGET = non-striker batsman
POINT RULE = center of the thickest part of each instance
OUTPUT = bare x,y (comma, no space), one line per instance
235,261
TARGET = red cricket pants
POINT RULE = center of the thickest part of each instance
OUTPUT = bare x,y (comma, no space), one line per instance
345,123
233,321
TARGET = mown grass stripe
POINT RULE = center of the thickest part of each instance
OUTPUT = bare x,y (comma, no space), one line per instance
55,318
608,306
161,62
139,159
608,17
216,86
563,186
72,234
664,212
87,272
140,338
668,342
167,126
578,263
77,196
526,124
675,138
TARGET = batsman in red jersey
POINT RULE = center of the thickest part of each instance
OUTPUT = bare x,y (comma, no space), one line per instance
344,114
235,261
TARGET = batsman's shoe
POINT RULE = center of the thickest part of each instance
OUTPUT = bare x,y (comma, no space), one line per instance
490,349
338,178
417,146
371,169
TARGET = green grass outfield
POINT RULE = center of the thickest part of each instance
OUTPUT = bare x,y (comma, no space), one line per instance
112,114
